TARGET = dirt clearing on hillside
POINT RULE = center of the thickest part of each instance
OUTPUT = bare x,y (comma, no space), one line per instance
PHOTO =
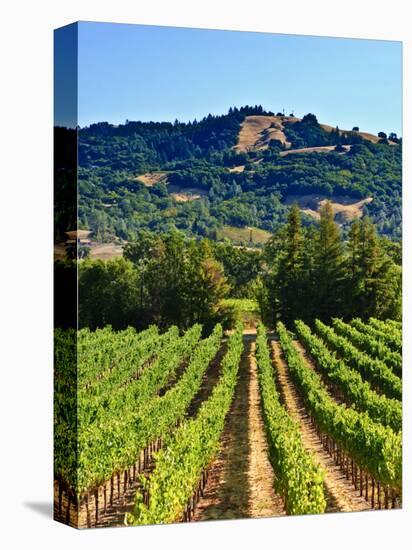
237,169
184,197
344,207
106,251
258,130
324,149
151,178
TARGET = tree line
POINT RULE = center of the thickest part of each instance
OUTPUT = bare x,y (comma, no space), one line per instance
162,279
316,273
302,273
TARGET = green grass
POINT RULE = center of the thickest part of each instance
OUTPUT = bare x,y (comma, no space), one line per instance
241,235
246,310
245,305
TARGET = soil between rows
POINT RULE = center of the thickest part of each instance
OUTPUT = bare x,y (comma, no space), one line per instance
241,479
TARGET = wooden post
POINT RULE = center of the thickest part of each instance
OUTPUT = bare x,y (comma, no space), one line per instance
68,508
378,487
104,498
373,493
96,500
111,490
361,482
88,511
60,499
367,487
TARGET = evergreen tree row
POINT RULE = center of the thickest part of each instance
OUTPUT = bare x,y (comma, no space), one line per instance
314,273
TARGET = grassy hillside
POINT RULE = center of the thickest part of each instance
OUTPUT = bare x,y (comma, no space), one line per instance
249,236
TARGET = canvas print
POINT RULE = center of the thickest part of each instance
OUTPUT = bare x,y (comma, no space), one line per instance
227,274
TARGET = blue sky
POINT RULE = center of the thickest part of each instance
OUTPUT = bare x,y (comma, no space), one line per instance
145,73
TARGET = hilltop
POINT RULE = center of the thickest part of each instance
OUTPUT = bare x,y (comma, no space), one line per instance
258,131
241,170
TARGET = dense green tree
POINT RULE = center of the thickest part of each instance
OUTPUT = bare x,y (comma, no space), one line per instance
329,273
291,277
313,273
374,285
205,286
108,293
165,280
285,284
241,267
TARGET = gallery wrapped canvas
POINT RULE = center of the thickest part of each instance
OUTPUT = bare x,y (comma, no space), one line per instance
227,275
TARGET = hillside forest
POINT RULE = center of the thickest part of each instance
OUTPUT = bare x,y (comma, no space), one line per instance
177,266
235,187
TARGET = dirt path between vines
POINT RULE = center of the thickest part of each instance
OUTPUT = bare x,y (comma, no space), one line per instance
333,391
210,379
264,501
240,481
340,494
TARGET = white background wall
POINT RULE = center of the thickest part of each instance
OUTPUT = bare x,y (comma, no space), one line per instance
26,269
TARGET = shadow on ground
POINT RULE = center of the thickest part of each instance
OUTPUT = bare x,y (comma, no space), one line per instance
45,509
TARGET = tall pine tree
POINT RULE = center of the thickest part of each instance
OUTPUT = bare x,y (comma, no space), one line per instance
290,276
329,269
374,282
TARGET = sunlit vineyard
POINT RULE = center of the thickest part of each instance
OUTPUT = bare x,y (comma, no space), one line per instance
145,422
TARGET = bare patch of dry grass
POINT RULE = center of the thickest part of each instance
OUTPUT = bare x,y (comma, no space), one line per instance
151,178
258,130
344,207
323,149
